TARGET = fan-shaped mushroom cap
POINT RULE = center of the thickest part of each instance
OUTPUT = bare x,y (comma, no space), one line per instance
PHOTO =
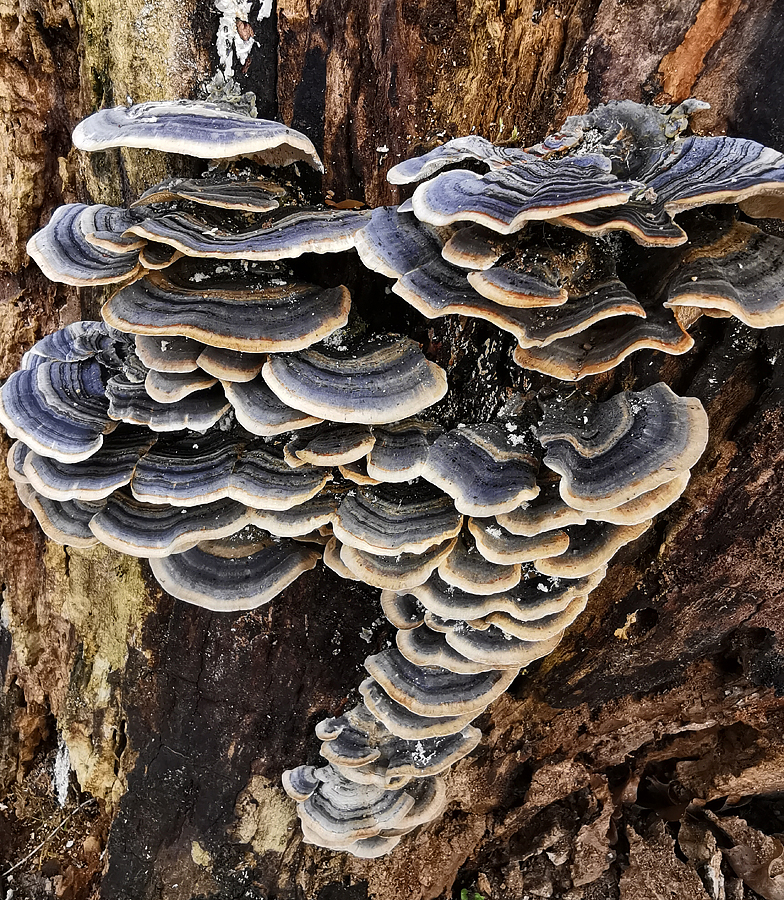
285,234
424,647
232,575
226,192
591,547
543,514
228,314
532,598
169,387
401,449
191,470
15,460
465,568
406,724
64,521
505,199
98,476
538,629
717,170
482,470
394,242
357,472
78,342
495,647
404,611
261,412
387,520
646,505
58,409
64,254
333,561
475,247
605,345
300,783
512,288
357,740
502,547
170,353
154,255
647,222
331,444
193,128
436,692
341,811
231,365
106,227
629,445
129,401
401,572
298,520
741,273
154,530
457,150
383,382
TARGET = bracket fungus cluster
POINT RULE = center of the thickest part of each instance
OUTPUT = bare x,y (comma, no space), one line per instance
233,421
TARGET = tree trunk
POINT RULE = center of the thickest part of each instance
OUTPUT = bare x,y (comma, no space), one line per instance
612,768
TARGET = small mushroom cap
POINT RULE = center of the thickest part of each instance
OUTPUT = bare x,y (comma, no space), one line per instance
470,147
63,253
211,577
251,319
301,519
436,692
15,460
532,599
384,382
401,572
226,192
482,470
154,255
130,402
741,273
95,478
79,342
544,514
591,547
192,128
424,647
387,520
357,472
495,647
400,450
332,560
605,345
465,568
63,521
285,234
404,611
169,387
646,505
170,353
475,247
261,412
231,365
106,226
191,470
154,530
300,783
639,442
406,724
59,409
504,200
393,242
331,444
647,222
511,288
539,629
502,547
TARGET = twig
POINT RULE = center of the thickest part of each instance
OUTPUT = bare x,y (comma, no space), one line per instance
47,838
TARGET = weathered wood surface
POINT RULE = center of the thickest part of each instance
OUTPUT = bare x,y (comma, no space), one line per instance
179,722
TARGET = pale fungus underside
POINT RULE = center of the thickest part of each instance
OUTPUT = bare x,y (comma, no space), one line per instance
236,425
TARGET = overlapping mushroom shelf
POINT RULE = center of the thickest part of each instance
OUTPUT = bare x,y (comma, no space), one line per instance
516,243
233,421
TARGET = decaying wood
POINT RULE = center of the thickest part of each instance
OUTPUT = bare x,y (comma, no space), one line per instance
609,770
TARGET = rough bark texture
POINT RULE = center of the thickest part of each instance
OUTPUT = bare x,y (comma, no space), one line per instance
644,758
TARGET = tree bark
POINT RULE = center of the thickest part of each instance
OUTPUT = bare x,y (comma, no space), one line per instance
611,769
